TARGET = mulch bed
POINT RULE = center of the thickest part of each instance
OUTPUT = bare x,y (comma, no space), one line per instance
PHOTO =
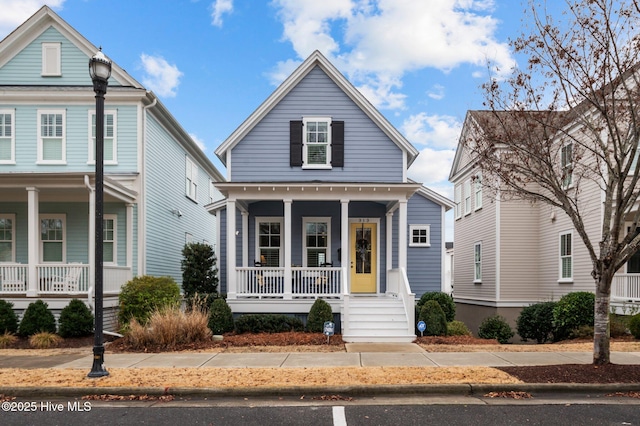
576,373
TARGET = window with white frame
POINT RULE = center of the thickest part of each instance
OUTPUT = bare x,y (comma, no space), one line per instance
477,262
316,142
192,179
110,140
467,196
566,256
51,137
458,201
7,238
269,238
7,137
52,238
566,163
51,59
478,192
420,235
109,236
317,241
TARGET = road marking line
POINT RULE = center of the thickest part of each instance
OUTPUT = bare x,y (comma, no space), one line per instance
339,419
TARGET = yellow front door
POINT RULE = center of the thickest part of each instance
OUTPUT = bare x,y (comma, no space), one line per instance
363,257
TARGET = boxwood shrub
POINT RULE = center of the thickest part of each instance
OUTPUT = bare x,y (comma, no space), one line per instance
319,313
76,320
145,294
444,300
8,318
572,311
37,318
267,323
536,322
495,327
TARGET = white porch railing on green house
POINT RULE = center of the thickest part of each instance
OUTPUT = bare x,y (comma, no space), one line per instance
626,287
63,278
115,277
266,282
13,278
398,286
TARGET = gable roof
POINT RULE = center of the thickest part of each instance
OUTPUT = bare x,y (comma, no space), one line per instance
317,59
44,19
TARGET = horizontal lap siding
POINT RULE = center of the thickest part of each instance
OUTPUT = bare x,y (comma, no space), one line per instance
424,264
369,155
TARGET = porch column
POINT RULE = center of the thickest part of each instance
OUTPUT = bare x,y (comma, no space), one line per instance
402,234
288,291
344,242
33,240
231,249
130,239
389,248
245,239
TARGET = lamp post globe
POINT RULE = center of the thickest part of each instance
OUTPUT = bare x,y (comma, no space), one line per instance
100,71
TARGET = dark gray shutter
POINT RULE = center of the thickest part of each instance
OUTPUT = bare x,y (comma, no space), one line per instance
337,144
295,143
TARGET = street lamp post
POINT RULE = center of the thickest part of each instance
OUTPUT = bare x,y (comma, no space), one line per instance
100,71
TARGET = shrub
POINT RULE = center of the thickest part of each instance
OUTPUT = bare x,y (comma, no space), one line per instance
8,318
199,273
220,317
618,325
495,327
7,340
536,322
145,294
319,313
434,319
168,328
37,317
457,328
267,323
75,320
444,300
572,311
634,326
44,340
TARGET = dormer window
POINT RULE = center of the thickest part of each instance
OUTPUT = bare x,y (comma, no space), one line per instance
51,63
317,143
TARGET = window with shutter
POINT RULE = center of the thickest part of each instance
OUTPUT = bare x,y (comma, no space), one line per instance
316,143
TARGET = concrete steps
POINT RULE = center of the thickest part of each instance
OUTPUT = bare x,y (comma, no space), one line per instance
377,319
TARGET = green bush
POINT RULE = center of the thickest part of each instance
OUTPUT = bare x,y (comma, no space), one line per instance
220,317
495,327
319,313
8,318
634,326
267,323
145,294
618,325
199,273
434,319
75,320
572,311
536,322
457,328
444,300
37,318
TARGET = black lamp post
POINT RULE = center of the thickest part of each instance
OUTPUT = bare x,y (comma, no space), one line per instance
100,71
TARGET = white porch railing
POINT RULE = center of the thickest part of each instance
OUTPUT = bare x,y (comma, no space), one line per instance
67,278
115,277
398,285
626,287
13,278
266,282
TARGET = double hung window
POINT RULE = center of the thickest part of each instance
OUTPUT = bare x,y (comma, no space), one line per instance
52,238
7,137
109,233
477,262
110,140
7,238
51,137
317,236
566,256
191,180
270,241
316,147
566,163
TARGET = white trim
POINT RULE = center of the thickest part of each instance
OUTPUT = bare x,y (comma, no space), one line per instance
91,138
113,217
63,159
262,219
417,227
561,279
191,179
62,217
305,221
12,218
51,59
12,138
306,144
457,200
476,279
467,196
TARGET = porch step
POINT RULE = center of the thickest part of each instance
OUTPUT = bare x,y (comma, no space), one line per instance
377,319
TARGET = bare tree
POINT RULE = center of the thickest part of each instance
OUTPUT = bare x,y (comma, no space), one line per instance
568,123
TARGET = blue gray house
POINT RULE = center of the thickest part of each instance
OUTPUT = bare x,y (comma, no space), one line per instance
317,204
157,180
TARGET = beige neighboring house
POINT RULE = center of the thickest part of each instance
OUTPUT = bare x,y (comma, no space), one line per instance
510,254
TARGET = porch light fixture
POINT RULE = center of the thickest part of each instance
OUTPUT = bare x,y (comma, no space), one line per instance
100,71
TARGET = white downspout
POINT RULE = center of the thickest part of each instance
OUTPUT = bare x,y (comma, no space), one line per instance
142,210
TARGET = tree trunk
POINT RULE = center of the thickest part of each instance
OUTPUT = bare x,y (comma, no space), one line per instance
601,336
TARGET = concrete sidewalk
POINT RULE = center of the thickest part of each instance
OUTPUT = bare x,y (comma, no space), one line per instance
357,355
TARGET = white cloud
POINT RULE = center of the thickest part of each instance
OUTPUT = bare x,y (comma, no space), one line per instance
435,131
432,166
436,92
198,142
160,76
15,12
220,7
377,41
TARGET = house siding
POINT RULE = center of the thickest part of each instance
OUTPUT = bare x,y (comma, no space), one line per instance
369,155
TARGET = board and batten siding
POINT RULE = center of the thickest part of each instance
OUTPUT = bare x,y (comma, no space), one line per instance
166,232
424,264
26,67
369,155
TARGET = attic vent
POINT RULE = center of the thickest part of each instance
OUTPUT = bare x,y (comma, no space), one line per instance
51,59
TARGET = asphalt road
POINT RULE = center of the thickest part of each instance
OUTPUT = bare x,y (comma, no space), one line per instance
476,411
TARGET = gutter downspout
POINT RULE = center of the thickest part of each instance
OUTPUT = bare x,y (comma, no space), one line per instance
142,210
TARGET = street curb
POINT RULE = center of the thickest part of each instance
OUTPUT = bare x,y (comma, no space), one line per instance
367,390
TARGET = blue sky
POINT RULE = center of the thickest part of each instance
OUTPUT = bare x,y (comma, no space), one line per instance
212,62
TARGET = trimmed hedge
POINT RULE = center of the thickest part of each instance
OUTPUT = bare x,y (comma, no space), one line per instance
444,300
495,327
434,319
76,320
634,326
220,317
8,318
572,311
267,323
319,313
536,322
37,318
